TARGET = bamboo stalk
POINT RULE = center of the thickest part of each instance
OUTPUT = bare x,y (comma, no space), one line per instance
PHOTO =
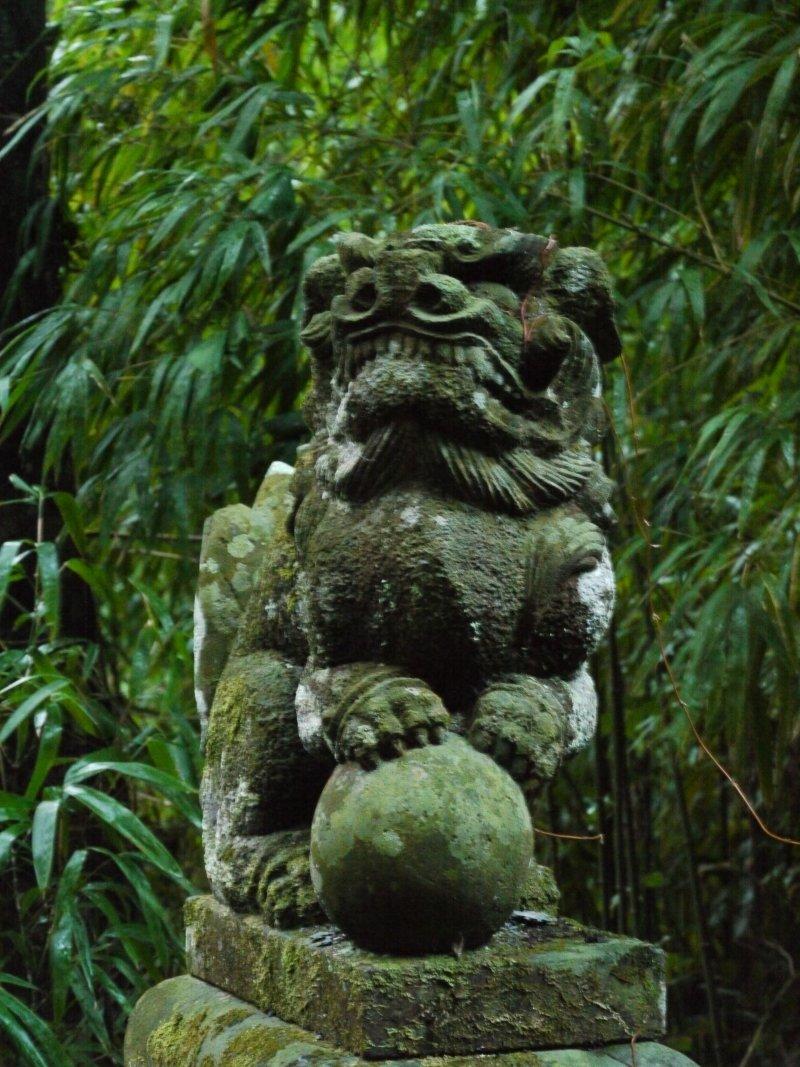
701,918
624,791
605,857
649,897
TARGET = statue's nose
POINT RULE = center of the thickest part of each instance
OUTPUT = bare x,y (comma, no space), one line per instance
407,281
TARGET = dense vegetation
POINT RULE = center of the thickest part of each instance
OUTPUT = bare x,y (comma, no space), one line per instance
199,156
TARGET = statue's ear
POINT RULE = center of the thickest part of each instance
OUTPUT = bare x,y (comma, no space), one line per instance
578,283
324,279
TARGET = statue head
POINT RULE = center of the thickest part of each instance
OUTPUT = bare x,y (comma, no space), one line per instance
461,356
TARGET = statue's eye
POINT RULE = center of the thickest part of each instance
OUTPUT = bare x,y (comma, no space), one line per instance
360,289
364,297
429,297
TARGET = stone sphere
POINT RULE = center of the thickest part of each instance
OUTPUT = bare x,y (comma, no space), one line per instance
426,853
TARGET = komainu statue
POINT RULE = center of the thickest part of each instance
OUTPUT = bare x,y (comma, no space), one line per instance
436,562
391,649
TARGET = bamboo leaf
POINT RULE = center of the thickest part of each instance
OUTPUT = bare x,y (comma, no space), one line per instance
123,821
49,585
43,839
7,839
776,102
693,283
29,705
312,232
163,39
170,786
49,742
62,931
73,520
725,98
9,555
31,1035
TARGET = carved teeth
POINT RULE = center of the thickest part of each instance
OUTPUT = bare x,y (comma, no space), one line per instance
408,346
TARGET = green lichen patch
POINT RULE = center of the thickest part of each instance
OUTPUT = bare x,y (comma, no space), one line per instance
235,539
176,1041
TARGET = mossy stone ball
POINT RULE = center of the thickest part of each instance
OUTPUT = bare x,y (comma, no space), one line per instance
426,853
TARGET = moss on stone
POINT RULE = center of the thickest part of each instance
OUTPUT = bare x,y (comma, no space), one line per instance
285,893
270,618
261,1043
226,1019
234,542
185,1022
424,853
532,987
252,739
540,892
175,1041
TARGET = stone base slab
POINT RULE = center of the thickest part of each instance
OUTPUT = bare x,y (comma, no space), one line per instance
184,1022
537,985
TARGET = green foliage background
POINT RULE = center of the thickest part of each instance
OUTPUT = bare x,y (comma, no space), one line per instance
203,154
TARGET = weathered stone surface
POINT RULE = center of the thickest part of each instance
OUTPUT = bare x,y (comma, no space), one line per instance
234,543
185,1022
534,986
424,853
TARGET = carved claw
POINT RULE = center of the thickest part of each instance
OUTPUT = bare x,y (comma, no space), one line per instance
285,893
367,757
520,723
392,716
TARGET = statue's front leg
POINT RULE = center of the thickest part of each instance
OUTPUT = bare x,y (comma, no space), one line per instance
530,725
368,712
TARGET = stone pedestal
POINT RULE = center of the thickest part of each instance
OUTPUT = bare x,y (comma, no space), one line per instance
185,1022
545,991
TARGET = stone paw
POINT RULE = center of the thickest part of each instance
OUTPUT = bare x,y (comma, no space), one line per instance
520,723
389,717
286,896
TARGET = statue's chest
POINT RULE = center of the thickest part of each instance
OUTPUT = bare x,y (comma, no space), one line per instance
431,584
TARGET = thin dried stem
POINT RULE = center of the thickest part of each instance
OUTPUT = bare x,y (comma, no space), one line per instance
569,837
